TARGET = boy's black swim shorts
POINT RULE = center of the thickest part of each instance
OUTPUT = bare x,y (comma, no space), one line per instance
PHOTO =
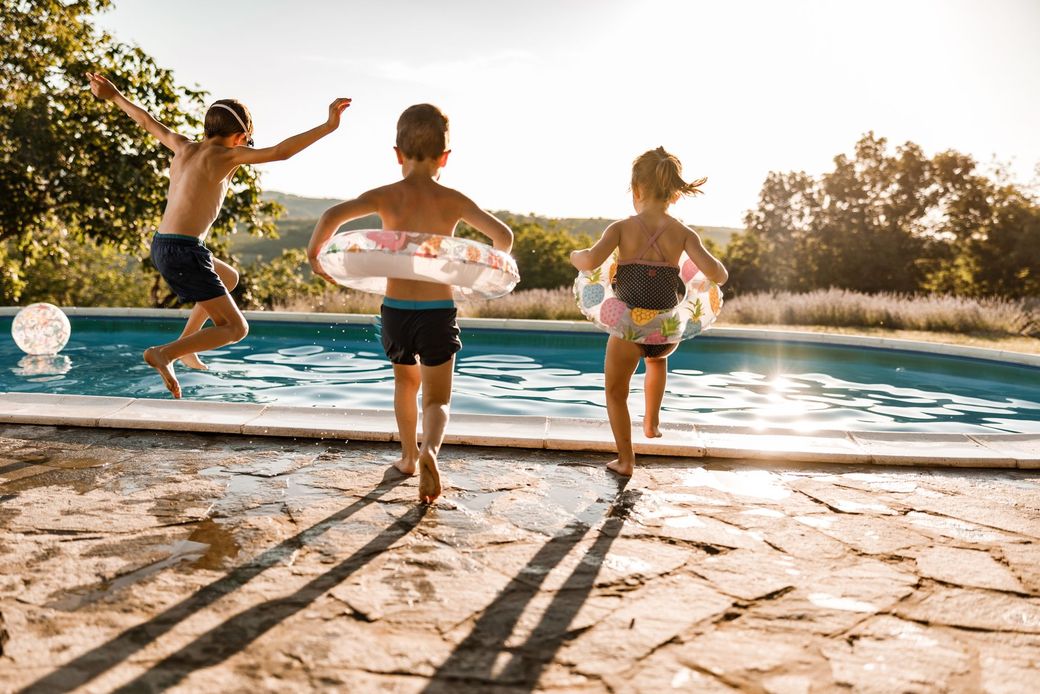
187,266
431,333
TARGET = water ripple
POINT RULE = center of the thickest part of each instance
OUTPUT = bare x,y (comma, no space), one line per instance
711,380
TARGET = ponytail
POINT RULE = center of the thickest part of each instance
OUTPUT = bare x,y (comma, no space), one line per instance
659,176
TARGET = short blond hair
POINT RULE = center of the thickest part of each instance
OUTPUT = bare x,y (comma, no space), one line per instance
422,132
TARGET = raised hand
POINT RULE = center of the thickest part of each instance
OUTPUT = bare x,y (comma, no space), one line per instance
336,109
101,87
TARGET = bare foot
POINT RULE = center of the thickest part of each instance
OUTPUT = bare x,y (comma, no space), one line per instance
155,359
652,430
622,468
406,463
192,361
429,479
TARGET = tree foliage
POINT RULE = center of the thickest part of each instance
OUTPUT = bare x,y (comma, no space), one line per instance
74,169
897,222
542,253
281,279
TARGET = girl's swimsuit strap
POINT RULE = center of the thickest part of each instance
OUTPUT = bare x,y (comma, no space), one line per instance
417,305
652,238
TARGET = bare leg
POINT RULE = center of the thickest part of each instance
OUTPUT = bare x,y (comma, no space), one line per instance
653,392
229,325
621,362
436,401
229,276
406,388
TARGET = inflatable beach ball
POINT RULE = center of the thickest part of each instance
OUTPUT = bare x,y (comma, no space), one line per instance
41,329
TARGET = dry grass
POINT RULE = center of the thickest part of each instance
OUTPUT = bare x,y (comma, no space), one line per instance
550,304
333,300
838,308
993,323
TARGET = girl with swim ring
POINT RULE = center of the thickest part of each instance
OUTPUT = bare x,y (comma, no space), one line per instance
647,282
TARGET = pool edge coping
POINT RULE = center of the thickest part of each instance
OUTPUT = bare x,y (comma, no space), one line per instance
1005,451
761,334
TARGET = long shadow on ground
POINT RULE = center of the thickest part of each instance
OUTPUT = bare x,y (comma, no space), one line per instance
472,663
232,636
223,641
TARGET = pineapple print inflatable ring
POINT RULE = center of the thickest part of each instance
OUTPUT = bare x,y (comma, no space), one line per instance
365,258
693,315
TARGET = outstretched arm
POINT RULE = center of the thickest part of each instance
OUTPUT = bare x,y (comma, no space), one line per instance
489,225
103,89
331,220
293,145
711,266
591,258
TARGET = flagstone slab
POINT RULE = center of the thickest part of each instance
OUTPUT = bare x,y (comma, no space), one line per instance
653,616
975,609
966,567
886,654
1024,562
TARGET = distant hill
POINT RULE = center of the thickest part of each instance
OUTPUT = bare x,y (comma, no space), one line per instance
296,225
297,207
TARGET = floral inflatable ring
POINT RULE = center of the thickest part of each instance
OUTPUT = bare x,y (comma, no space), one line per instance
698,310
364,259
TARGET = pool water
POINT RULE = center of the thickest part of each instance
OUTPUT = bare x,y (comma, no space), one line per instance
712,380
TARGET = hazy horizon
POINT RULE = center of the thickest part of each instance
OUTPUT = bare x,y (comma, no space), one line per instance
550,102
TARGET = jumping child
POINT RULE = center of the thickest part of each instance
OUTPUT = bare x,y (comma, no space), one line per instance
649,247
200,174
418,318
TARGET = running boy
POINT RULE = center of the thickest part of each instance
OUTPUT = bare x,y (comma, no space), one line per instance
649,246
418,318
200,173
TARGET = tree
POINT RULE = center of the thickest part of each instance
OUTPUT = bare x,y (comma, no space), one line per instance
73,169
771,252
883,221
1004,256
281,279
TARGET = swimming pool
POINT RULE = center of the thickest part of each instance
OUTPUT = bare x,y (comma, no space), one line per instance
712,380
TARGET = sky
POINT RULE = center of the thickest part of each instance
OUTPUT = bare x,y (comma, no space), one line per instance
551,100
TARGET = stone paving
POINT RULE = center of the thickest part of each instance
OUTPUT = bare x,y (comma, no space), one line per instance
141,561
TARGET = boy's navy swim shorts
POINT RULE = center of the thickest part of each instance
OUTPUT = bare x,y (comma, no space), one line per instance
430,333
187,266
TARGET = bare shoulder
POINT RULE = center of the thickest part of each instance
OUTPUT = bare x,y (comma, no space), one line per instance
457,198
377,194
683,228
188,148
620,226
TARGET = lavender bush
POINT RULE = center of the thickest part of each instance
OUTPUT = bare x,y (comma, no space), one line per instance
825,307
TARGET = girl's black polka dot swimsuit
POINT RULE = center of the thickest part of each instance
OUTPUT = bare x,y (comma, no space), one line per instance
642,283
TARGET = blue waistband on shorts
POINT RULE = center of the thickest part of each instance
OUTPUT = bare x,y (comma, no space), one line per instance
179,237
417,305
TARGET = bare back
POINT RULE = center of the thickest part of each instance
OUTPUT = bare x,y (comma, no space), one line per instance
419,204
632,245
200,174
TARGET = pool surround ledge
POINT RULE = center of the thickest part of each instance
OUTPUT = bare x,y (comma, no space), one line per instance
680,440
553,433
